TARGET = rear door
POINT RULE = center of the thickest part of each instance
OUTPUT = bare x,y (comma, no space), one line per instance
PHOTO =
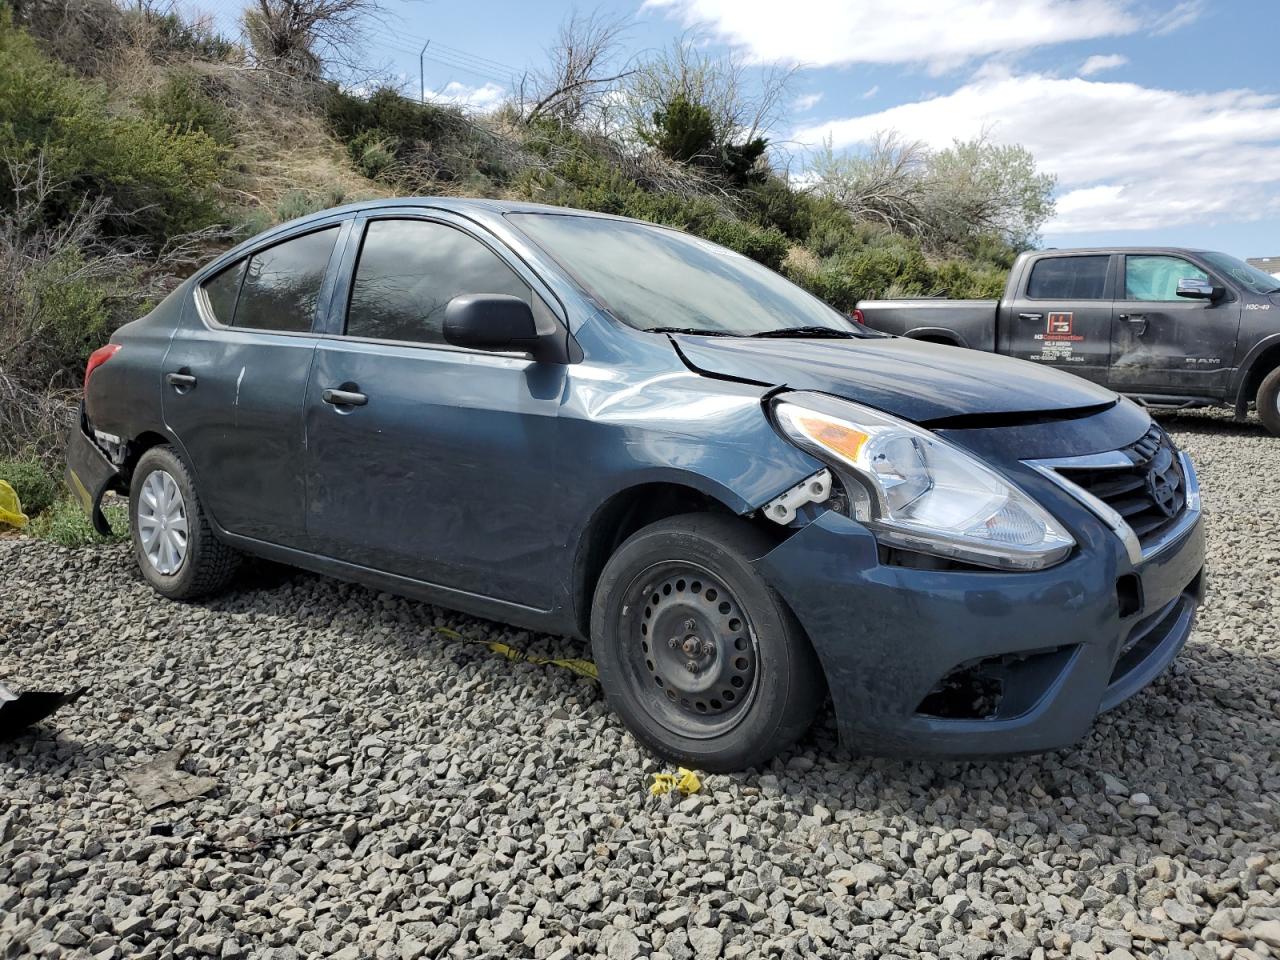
444,468
1061,316
1168,345
235,375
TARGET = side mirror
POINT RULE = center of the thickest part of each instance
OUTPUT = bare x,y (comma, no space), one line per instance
1199,290
490,321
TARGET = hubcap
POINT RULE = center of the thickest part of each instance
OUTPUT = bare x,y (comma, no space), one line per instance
692,654
162,522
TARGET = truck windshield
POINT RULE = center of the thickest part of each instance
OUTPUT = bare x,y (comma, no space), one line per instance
654,278
1249,277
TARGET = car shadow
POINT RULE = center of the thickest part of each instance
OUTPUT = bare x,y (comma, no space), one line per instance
1209,422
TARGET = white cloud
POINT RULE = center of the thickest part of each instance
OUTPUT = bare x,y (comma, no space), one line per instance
1185,13
478,99
806,101
1100,63
1126,156
943,33
872,92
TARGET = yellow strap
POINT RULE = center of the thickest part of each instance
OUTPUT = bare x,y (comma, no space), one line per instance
583,668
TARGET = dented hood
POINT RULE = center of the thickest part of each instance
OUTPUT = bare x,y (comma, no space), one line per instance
913,380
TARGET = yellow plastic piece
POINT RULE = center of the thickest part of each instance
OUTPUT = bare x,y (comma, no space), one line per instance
685,781
583,668
11,507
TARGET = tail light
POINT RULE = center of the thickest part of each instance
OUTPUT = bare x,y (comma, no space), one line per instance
858,316
97,359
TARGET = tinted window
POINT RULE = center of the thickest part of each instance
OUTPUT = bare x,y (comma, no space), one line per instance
1069,278
408,272
1156,278
283,282
222,289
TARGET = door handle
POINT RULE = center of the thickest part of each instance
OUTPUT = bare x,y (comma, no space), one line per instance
181,382
1138,318
343,398
1031,316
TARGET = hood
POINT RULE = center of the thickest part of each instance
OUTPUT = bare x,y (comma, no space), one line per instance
917,381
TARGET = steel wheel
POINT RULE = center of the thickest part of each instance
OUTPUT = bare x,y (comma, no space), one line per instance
691,654
162,522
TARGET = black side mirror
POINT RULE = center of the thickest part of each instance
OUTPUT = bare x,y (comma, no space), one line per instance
490,321
1194,289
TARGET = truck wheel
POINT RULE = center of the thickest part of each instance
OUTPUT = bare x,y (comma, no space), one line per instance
1269,402
702,660
173,544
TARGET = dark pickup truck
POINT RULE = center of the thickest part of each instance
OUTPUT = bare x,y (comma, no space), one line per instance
1168,327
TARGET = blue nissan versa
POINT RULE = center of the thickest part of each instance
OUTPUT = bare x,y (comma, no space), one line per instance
602,428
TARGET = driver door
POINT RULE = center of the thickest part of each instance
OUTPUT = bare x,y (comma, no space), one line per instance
1163,344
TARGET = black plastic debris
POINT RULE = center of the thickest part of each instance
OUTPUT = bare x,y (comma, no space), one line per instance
20,710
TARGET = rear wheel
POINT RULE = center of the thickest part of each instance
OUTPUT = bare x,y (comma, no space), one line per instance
1269,401
173,543
697,654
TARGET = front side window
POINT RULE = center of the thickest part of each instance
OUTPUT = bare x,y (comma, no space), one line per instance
408,272
282,283
1156,278
1069,278
222,290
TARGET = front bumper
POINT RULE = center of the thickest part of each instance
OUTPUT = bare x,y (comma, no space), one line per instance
1046,651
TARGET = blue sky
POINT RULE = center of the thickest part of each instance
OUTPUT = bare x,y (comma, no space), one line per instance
1161,118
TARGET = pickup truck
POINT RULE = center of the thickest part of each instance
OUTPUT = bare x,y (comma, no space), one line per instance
1167,327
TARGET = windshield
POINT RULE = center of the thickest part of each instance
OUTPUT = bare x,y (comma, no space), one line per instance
1251,278
652,278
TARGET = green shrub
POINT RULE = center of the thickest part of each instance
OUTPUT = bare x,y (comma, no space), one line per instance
159,180
302,203
766,245
66,524
374,155
36,490
184,105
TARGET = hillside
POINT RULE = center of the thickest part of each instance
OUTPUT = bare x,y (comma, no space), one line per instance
135,146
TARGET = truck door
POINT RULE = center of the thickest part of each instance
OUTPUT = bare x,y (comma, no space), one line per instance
1166,345
1061,314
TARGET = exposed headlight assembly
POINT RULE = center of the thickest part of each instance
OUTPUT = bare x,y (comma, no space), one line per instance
918,492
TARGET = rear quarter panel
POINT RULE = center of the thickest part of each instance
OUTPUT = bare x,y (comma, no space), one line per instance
124,394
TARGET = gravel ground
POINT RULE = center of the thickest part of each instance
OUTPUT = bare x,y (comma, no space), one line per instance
386,790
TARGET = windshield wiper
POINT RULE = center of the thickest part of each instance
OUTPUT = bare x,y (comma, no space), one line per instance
695,331
811,331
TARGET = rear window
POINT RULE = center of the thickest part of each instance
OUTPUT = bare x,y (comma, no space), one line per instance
1069,278
282,283
222,290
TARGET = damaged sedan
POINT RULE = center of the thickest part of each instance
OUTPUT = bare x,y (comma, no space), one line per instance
743,500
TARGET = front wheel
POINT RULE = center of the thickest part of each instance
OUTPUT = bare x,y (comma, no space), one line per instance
174,546
1269,402
698,655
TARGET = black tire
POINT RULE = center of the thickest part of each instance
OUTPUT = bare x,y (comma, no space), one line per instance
208,564
1268,402
757,684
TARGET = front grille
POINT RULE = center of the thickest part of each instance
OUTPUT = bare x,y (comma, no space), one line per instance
1150,493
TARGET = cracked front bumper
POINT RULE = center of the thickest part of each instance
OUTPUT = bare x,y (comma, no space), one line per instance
1066,643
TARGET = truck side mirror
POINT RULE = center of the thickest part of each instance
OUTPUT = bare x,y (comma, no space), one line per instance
1194,289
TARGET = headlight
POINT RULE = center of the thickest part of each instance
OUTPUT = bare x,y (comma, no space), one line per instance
916,491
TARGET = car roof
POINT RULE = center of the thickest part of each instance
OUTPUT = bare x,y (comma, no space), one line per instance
1102,250
462,205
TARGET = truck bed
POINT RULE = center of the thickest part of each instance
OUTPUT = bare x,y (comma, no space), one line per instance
967,323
